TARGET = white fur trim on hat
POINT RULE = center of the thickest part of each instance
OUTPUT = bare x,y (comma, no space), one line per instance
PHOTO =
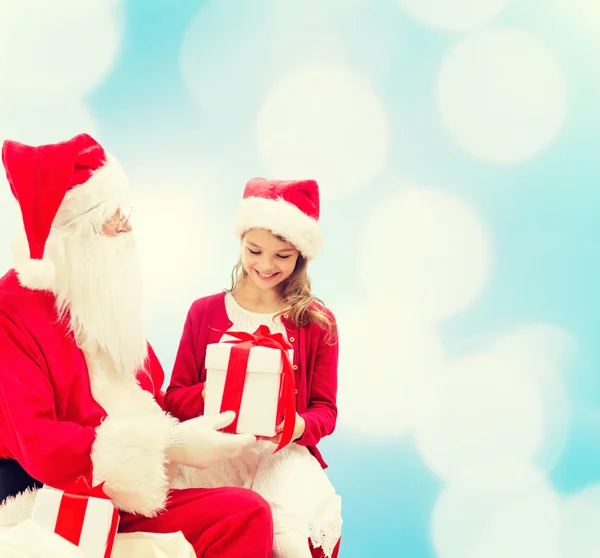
106,190
282,219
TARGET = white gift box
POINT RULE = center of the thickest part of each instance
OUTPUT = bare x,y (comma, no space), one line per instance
87,522
258,410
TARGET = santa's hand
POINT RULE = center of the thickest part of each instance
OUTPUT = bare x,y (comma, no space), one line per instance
198,443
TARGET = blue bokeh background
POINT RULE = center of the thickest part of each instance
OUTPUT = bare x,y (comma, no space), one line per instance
177,92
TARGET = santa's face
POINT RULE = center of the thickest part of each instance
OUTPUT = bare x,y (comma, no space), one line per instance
98,285
119,223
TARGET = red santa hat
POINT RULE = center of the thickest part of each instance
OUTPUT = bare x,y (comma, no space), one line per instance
288,208
71,179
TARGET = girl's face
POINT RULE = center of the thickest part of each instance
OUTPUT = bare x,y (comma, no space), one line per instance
267,260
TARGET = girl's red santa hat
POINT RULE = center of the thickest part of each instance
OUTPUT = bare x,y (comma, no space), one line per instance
288,208
56,185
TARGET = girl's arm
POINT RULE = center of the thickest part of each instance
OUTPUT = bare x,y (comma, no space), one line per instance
184,399
157,376
321,415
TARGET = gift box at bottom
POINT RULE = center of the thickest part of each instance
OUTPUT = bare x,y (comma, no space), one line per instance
260,397
87,522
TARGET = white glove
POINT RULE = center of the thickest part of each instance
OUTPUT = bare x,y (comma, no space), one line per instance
197,442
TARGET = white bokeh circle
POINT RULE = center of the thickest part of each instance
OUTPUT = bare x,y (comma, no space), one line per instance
502,95
453,14
509,402
42,120
515,515
176,235
543,349
63,47
580,520
387,367
431,245
485,409
183,244
323,123
233,52
584,15
220,61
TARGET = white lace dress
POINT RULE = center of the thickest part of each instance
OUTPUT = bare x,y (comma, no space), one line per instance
292,481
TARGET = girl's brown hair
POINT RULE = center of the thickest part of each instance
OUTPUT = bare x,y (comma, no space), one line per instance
303,308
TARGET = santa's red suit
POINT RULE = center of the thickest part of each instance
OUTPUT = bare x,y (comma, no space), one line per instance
79,385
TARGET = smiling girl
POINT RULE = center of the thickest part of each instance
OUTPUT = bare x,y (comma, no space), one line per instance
278,226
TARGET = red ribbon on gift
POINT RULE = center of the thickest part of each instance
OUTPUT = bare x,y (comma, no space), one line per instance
73,506
236,377
83,487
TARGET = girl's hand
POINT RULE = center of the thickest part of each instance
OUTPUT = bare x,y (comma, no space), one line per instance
204,391
299,427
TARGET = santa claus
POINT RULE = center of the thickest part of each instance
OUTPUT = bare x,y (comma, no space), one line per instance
79,383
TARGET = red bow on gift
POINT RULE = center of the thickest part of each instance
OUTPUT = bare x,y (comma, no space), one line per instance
236,376
83,487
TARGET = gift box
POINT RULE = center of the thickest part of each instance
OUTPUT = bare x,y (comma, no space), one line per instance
88,522
258,407
252,375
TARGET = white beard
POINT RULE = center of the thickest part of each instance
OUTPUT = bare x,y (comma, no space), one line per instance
98,288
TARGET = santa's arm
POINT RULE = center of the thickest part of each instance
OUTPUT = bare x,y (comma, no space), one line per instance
156,374
128,454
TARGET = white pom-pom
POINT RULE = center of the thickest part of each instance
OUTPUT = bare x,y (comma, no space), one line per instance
37,274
